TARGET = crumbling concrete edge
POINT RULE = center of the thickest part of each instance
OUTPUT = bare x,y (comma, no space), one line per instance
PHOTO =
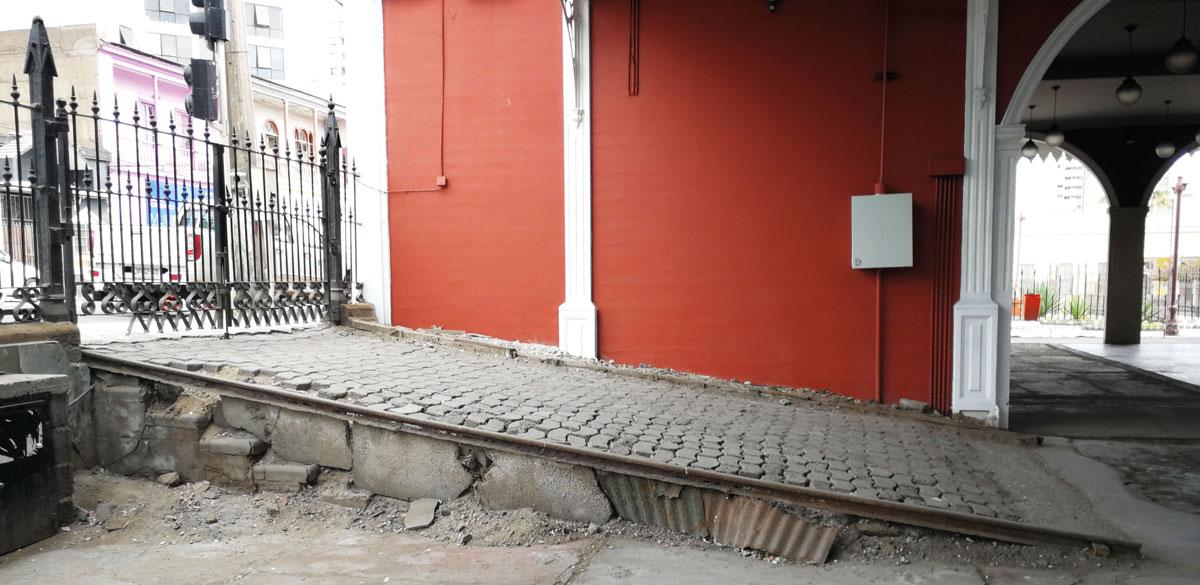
710,480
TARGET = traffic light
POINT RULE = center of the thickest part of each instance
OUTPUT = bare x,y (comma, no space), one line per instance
209,22
201,77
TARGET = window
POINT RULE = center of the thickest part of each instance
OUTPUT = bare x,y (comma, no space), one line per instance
264,21
175,11
266,62
145,136
175,48
304,144
271,133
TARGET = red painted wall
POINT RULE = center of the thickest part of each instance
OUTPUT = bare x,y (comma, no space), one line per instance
484,254
722,192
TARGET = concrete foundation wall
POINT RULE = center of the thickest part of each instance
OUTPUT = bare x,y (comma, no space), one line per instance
147,428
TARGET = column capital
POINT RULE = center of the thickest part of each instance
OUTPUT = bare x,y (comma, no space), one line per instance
1010,139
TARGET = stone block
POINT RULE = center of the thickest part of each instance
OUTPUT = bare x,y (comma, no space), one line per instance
234,470
22,385
37,357
567,492
255,417
406,466
279,471
312,438
120,411
65,333
222,441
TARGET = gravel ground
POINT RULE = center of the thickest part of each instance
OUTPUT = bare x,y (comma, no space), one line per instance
116,510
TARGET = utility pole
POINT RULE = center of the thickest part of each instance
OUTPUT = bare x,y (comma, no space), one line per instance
1172,327
239,101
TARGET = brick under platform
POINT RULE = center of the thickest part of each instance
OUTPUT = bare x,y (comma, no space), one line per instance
806,444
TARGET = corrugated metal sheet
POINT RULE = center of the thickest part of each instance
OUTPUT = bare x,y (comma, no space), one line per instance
656,503
757,524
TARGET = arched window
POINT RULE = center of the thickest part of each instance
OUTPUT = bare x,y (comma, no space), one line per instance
304,143
271,134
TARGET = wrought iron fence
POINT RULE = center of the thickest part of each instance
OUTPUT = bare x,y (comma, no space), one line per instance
112,208
1073,293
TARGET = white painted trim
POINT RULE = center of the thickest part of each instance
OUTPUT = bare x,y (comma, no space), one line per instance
577,329
366,138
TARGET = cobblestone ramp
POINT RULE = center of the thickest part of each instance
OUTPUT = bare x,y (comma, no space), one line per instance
865,455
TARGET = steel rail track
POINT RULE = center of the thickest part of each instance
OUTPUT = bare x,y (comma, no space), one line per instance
956,522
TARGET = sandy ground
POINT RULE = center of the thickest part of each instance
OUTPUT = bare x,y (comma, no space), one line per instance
137,531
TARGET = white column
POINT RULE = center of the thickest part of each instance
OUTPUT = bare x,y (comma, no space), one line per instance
577,314
286,139
976,314
1009,140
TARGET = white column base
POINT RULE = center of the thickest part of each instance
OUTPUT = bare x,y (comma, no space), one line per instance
976,344
577,333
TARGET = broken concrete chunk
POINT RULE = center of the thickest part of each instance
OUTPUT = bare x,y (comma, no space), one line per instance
170,479
312,438
257,418
421,513
222,441
103,512
405,466
566,492
914,405
346,497
277,475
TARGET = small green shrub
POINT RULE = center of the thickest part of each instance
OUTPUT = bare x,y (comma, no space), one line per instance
1149,315
1050,300
1078,308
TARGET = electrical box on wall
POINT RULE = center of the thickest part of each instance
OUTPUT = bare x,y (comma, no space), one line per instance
881,231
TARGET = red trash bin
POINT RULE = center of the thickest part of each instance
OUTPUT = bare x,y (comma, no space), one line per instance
1033,306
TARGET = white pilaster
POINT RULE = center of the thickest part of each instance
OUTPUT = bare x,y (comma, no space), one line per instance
976,314
577,315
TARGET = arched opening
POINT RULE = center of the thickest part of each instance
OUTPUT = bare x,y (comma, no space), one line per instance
1059,266
1124,141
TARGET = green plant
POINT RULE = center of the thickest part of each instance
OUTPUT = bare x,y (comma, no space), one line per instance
1050,300
1149,315
1078,308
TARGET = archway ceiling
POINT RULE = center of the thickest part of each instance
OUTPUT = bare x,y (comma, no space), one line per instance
1094,63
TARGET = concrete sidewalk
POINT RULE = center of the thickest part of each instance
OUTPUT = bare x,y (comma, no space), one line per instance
822,447
1178,358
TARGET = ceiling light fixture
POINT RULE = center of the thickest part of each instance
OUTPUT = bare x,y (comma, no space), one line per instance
1183,56
1166,148
1130,91
1030,149
1054,136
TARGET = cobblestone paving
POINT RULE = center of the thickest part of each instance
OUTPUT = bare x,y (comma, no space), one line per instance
821,447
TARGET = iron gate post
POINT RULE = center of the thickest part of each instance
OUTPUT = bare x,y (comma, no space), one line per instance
331,192
222,208
52,225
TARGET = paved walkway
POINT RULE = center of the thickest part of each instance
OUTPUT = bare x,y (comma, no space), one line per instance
1058,391
826,448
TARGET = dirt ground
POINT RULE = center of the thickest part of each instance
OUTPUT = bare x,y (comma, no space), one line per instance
138,531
